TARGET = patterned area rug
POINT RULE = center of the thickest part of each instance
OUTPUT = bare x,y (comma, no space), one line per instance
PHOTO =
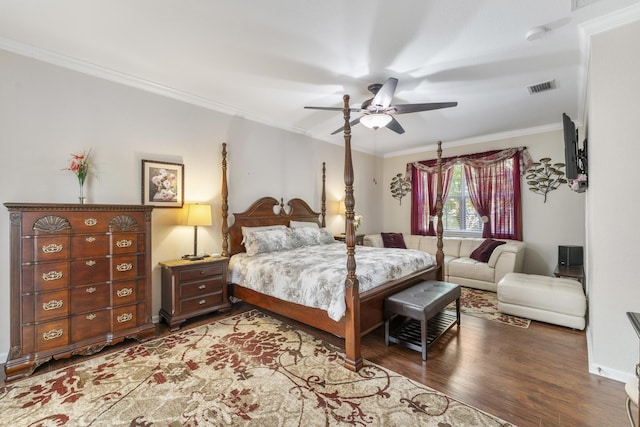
246,369
484,304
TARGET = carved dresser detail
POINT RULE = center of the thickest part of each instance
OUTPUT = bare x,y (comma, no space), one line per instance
80,280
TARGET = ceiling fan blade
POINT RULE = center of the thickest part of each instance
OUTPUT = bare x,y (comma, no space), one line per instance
414,108
354,110
351,123
395,126
385,94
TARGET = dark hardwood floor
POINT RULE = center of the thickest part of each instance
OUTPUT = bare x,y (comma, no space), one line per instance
529,377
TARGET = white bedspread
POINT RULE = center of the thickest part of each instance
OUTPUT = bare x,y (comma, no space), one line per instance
314,275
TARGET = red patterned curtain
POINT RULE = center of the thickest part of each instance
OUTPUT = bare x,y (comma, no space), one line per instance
493,181
424,196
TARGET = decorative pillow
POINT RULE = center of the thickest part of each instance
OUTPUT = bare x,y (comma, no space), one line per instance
246,230
483,252
277,239
326,236
303,224
309,236
393,240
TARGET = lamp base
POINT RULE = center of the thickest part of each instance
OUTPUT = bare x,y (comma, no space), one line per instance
194,257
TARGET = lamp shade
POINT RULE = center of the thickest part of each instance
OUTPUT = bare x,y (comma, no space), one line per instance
375,121
198,214
342,209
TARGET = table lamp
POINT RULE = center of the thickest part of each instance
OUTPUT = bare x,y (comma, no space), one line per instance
197,215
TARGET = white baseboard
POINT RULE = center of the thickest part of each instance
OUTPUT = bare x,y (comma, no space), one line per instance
613,374
4,357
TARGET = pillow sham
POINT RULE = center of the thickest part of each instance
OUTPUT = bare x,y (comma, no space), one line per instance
483,252
246,230
262,241
393,240
303,224
309,236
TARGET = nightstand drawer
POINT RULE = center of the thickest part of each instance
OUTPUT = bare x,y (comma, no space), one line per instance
193,289
201,271
200,303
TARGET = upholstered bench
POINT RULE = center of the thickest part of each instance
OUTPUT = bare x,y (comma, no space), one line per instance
548,299
415,317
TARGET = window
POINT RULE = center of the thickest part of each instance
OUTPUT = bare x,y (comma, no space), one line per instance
458,213
480,193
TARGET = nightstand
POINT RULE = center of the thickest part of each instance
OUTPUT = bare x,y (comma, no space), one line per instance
193,288
343,238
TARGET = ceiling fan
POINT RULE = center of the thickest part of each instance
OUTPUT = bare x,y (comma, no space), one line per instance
378,111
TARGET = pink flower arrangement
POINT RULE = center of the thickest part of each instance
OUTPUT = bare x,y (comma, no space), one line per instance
579,184
79,164
166,185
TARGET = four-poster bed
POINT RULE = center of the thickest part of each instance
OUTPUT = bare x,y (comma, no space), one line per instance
363,310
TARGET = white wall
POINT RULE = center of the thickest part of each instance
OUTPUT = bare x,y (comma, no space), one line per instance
48,112
613,199
559,221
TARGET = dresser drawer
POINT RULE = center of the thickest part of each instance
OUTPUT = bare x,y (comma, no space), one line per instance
45,306
89,245
90,222
201,272
90,270
53,334
45,277
124,293
124,267
201,302
93,324
90,297
124,243
193,289
124,317
45,248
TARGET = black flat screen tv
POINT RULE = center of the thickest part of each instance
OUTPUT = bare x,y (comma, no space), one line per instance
571,160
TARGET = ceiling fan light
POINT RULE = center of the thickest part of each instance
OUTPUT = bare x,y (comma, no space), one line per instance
375,121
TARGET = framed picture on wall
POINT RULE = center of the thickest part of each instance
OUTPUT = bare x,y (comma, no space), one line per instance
162,184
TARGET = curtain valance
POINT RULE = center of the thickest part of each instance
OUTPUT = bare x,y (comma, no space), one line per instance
484,159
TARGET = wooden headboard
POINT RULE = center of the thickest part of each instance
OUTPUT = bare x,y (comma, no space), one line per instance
268,211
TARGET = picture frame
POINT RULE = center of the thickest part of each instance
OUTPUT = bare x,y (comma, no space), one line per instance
162,184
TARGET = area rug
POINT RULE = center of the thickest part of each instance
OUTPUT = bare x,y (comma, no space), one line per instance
484,304
246,369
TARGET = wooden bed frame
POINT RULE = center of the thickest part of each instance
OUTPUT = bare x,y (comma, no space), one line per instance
364,311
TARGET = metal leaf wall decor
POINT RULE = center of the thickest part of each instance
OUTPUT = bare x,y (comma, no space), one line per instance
543,177
399,187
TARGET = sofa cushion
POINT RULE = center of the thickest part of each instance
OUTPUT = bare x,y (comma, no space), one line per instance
393,240
483,252
471,269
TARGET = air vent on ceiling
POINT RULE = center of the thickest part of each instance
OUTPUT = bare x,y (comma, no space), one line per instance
542,87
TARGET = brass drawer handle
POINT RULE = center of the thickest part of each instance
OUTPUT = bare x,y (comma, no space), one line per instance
51,248
52,334
124,243
90,263
202,301
124,292
52,305
90,239
52,275
202,287
91,290
91,316
124,317
125,266
90,222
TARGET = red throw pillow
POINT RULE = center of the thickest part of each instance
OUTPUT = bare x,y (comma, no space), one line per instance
393,240
483,252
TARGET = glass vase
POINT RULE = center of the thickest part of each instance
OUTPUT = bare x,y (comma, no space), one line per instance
81,197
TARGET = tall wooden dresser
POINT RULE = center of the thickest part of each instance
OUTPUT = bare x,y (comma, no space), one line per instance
80,280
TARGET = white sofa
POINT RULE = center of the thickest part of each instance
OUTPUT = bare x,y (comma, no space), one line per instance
458,267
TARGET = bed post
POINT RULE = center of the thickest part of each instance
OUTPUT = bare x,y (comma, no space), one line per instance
439,229
353,358
324,195
225,206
